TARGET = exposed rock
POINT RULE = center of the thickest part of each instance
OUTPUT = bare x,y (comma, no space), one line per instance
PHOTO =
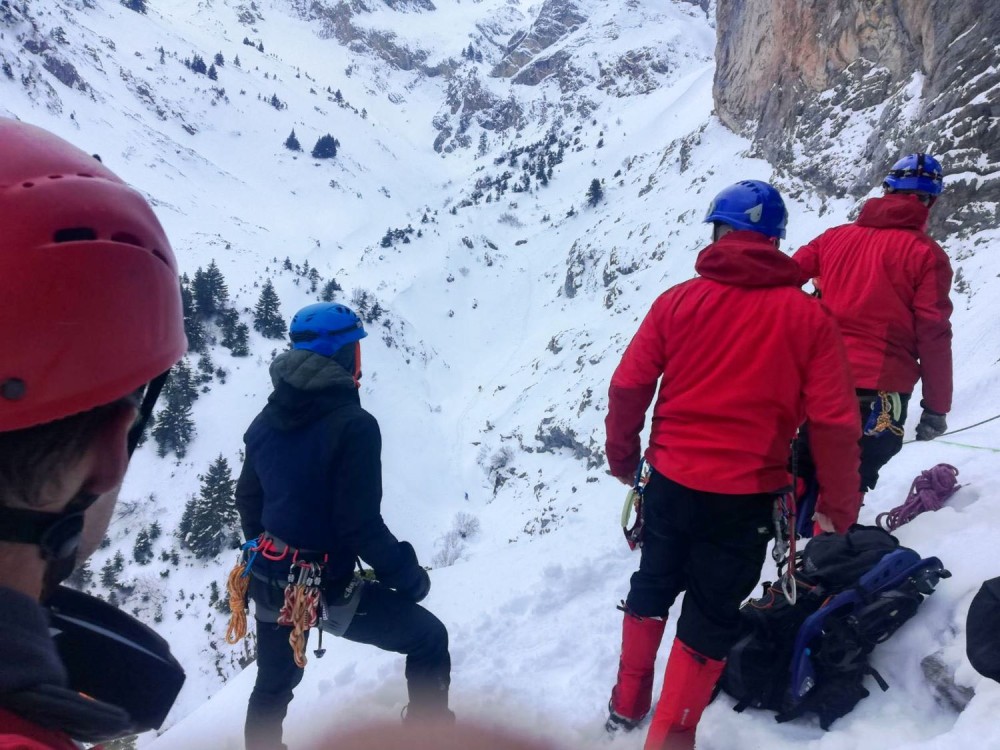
901,76
632,73
941,677
554,436
336,19
62,70
556,20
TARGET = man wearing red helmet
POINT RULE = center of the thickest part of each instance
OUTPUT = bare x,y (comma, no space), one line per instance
887,284
741,357
90,323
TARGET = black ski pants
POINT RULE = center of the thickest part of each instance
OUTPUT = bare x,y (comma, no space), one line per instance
713,547
876,450
384,618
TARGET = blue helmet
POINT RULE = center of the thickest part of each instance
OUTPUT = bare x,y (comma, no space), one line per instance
325,327
916,172
750,204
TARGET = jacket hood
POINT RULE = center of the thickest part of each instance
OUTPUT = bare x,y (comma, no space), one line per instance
306,387
894,211
308,371
745,258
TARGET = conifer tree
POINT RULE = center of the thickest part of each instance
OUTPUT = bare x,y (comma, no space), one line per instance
330,289
142,551
181,383
595,193
326,147
267,318
211,295
111,569
313,277
194,326
139,6
292,143
235,335
219,59
213,73
210,520
174,428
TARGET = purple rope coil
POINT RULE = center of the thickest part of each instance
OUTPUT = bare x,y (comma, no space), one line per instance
929,491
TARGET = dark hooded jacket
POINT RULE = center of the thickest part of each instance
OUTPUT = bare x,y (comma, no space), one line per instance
743,357
313,474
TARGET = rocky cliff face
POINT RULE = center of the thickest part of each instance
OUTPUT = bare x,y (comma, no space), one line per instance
895,76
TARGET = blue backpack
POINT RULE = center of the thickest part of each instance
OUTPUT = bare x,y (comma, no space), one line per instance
855,591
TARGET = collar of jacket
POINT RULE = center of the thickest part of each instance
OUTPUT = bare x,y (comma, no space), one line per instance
310,372
746,258
894,211
27,654
307,386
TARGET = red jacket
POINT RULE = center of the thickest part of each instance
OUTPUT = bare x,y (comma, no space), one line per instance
887,283
20,734
743,357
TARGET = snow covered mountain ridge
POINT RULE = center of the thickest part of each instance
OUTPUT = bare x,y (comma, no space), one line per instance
455,215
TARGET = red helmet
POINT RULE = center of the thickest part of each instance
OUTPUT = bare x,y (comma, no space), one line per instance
90,306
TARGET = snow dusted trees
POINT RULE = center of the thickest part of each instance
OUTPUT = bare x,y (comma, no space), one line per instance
292,143
267,319
173,428
210,521
595,193
326,147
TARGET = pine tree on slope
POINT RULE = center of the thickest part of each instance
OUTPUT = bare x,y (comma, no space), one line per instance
210,520
267,318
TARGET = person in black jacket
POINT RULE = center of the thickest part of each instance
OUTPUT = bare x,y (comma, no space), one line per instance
312,482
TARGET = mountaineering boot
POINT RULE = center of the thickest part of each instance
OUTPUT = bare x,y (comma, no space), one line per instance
687,689
633,692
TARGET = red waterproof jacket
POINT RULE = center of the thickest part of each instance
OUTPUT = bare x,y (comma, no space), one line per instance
20,734
743,357
887,283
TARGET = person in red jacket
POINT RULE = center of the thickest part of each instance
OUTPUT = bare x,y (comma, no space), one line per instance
742,357
90,322
887,284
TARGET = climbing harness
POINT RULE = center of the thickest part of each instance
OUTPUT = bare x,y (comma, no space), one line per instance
633,502
929,491
885,415
302,606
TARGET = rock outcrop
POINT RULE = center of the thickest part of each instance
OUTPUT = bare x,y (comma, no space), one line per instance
893,76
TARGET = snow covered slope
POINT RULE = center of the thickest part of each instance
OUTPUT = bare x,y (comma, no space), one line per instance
498,326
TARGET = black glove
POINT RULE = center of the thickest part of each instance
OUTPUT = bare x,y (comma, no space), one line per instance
409,578
931,425
418,585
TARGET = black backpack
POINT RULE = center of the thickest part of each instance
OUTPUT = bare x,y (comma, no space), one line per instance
854,591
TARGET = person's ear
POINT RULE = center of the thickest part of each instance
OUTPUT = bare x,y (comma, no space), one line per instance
109,452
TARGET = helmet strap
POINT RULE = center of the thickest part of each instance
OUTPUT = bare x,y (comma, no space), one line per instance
145,410
57,535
